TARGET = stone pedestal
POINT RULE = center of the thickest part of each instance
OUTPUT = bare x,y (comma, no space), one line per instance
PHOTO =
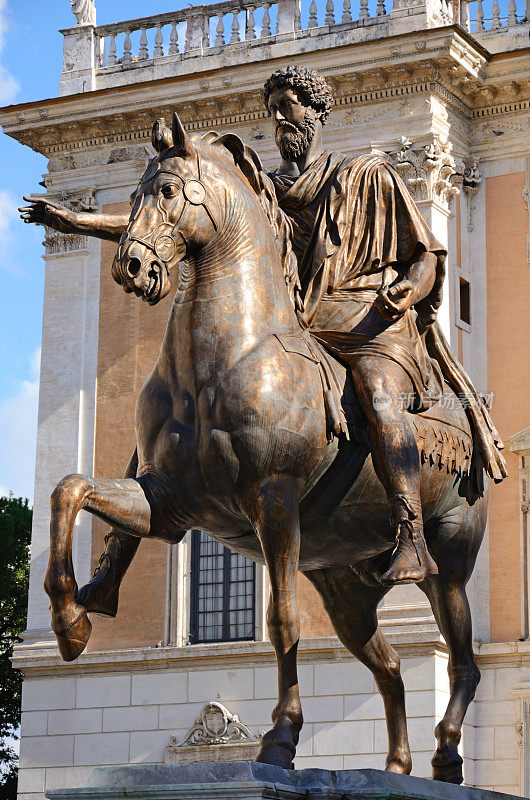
246,780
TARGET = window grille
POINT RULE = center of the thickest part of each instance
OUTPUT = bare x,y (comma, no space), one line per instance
222,593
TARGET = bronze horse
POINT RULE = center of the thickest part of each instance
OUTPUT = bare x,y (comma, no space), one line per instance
233,437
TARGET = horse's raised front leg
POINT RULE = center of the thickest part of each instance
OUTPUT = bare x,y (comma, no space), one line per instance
451,609
101,593
352,608
119,502
274,516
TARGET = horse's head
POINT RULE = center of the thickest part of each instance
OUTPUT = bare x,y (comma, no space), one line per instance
173,213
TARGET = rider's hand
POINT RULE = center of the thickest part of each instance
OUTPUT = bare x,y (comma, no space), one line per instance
46,212
392,302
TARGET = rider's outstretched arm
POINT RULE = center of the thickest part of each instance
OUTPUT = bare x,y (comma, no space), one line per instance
54,215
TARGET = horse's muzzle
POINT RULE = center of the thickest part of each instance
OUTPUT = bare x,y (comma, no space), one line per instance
138,270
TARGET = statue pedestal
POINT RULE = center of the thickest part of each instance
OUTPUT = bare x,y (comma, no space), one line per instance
246,780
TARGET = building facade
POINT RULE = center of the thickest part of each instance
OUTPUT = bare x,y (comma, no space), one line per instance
445,92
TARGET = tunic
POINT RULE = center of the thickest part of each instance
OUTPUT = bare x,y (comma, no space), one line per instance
355,229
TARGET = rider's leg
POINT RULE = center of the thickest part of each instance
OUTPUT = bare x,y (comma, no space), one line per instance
380,384
101,593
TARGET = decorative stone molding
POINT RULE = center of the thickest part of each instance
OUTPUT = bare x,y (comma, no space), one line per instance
428,171
216,735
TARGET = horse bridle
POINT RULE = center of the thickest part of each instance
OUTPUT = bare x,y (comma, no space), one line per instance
160,239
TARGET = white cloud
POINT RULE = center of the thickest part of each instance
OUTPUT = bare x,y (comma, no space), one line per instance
8,213
18,434
9,85
8,237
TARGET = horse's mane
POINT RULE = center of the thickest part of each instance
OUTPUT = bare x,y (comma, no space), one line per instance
248,162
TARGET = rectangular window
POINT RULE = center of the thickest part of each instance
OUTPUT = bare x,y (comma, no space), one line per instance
465,305
222,593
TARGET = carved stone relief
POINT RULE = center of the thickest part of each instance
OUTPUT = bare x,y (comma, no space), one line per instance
56,242
429,171
216,735
471,180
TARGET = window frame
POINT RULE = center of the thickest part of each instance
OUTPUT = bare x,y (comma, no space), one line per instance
227,554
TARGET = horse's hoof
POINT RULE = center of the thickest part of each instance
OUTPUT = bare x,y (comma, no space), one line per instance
278,752
72,638
401,766
448,769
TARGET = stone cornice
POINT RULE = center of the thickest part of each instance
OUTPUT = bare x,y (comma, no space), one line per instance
444,58
43,662
39,662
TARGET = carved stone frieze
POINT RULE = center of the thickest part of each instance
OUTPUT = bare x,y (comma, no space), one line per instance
429,171
56,242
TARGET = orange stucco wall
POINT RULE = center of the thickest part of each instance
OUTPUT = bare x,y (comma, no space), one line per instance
509,379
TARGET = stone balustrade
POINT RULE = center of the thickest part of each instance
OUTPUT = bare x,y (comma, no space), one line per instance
218,26
485,15
213,28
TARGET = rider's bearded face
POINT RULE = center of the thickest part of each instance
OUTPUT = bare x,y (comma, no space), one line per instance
294,123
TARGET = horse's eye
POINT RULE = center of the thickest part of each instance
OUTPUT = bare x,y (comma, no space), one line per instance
169,190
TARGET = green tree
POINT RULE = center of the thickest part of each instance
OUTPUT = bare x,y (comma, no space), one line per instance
15,536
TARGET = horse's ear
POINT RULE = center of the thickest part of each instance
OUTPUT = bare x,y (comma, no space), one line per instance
181,141
161,137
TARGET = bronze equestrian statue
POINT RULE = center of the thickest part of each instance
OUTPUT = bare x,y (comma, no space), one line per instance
274,417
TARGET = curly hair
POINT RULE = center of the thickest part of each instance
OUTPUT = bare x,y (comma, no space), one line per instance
308,84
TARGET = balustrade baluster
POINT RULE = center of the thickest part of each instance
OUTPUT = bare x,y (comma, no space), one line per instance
206,32
313,21
329,18
496,12
266,22
464,11
234,36
173,40
363,12
143,53
220,31
346,11
297,16
159,41
479,25
112,51
512,13
380,8
250,32
127,47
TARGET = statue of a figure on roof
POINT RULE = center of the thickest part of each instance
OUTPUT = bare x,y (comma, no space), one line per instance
85,11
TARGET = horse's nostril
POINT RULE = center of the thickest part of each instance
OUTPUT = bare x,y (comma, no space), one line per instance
133,267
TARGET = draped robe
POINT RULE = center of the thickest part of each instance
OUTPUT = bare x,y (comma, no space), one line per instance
355,229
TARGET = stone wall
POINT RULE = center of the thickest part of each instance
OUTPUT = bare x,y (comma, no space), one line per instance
123,708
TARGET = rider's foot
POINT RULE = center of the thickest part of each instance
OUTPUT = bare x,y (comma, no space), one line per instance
411,561
101,593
